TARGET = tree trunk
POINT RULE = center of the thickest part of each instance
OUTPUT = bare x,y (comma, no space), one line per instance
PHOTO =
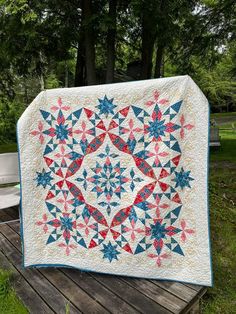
111,38
147,47
41,82
26,98
41,70
89,42
80,65
159,62
66,74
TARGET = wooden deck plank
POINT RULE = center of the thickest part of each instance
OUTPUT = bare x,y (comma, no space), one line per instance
123,290
50,271
51,296
100,293
141,302
25,292
192,304
181,291
157,294
91,286
194,287
13,212
15,226
69,289
8,214
77,296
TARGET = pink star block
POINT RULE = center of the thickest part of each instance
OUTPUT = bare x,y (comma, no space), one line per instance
185,231
131,130
43,223
159,257
39,132
59,106
156,96
184,126
83,131
157,154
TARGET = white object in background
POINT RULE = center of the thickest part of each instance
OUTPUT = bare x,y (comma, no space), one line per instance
9,168
9,196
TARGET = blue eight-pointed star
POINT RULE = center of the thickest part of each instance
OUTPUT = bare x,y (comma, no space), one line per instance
66,223
110,251
158,231
156,128
62,132
108,179
182,179
106,106
44,178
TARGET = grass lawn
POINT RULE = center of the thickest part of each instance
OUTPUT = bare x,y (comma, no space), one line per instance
9,302
224,119
227,151
221,115
8,148
222,297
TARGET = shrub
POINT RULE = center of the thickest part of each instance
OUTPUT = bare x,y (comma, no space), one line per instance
10,111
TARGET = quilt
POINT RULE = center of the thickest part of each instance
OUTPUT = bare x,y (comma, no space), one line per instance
114,180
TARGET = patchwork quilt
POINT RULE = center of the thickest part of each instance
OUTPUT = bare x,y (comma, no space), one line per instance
114,180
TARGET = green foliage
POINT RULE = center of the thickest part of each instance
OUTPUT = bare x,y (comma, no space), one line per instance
9,114
52,81
38,35
20,7
216,81
35,34
40,40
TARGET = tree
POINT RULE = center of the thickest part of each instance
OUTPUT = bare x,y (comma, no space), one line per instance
36,33
211,25
97,37
80,63
146,12
111,38
87,22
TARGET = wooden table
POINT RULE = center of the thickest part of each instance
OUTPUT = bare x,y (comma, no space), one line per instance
52,290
